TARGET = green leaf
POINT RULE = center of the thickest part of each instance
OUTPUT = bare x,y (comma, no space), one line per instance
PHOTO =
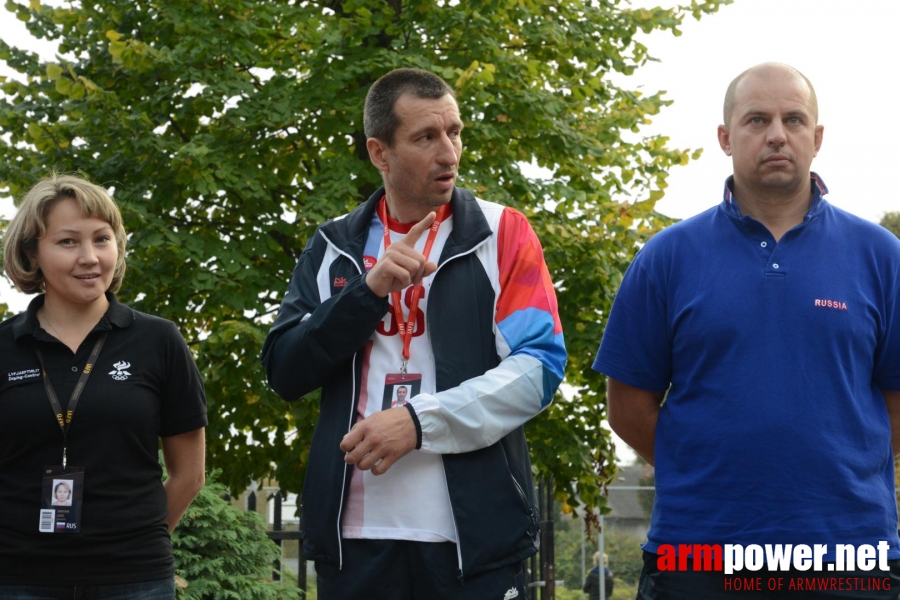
117,49
54,71
64,85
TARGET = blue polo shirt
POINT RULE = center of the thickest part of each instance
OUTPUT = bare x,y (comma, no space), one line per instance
774,429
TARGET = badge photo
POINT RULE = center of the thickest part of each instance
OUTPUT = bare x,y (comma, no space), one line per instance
399,388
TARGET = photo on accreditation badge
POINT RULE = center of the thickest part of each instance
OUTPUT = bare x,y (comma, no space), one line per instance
62,492
398,389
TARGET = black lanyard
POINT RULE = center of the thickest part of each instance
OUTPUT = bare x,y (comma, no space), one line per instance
76,393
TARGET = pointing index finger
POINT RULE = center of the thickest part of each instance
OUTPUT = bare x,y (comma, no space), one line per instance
419,228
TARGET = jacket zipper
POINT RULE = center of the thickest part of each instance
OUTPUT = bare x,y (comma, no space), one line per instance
350,420
522,495
346,466
453,518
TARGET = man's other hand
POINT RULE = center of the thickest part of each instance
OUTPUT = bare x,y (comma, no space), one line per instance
380,440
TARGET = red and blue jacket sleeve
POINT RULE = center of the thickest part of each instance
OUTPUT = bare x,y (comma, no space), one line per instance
529,342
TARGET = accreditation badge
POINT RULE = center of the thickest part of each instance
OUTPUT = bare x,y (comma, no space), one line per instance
61,493
399,388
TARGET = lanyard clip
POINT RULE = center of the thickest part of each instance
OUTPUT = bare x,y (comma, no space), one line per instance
403,366
64,459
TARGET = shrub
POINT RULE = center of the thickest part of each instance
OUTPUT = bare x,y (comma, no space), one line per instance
224,553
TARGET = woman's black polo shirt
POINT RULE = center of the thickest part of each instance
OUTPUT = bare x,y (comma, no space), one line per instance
144,385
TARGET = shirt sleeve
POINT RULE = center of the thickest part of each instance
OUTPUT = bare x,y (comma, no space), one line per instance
636,345
529,340
183,406
887,354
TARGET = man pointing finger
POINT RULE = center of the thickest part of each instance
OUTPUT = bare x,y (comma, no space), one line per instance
428,289
401,264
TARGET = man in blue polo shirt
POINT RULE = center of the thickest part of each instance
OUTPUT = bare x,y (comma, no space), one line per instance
753,356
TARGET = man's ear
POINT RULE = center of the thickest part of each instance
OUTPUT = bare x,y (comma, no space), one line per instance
819,132
724,140
377,151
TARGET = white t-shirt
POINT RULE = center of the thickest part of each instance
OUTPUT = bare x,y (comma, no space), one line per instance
410,501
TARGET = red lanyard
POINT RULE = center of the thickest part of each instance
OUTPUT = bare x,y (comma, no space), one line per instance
406,326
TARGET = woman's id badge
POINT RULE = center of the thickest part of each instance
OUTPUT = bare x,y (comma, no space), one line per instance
61,495
400,387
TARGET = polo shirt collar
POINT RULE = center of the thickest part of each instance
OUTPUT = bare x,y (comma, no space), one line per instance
816,184
117,315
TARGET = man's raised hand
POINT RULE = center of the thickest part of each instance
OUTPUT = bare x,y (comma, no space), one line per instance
402,265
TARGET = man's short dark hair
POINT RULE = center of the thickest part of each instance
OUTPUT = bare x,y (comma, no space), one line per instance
379,119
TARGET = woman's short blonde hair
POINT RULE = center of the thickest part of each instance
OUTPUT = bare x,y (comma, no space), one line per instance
20,243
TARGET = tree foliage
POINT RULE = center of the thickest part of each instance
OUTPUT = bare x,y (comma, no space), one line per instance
223,552
229,129
891,222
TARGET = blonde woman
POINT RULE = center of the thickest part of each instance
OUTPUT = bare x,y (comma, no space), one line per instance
89,387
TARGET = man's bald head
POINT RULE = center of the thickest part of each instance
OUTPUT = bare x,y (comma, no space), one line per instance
768,70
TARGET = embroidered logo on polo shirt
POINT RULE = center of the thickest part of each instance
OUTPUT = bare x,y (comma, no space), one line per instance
119,373
340,282
511,593
835,304
23,374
